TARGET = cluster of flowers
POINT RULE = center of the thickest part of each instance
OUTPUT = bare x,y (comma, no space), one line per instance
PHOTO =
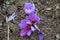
28,25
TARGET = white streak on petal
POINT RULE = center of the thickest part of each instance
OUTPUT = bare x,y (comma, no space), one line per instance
27,10
36,27
32,28
33,6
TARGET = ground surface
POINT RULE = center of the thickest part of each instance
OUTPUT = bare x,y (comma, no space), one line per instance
48,10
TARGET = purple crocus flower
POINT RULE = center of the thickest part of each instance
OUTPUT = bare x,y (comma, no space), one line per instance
26,27
33,18
29,8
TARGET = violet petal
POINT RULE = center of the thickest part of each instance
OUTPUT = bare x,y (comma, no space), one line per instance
23,32
28,22
40,35
29,32
22,24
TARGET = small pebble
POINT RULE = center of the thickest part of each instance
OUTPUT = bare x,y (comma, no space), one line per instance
0,24
57,37
48,8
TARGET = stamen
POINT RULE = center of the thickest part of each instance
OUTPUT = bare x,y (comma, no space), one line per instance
33,21
28,26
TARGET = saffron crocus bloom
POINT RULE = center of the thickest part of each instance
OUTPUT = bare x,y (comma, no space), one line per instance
29,8
26,27
33,18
